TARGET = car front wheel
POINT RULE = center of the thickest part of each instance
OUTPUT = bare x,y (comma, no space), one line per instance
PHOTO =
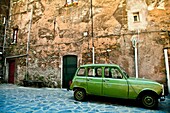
149,101
79,94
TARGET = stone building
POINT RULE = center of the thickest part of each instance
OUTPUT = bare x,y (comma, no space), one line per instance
4,15
51,38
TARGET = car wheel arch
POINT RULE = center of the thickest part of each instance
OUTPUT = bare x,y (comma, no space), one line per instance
75,88
147,92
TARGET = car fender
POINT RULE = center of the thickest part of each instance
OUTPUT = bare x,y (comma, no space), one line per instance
147,90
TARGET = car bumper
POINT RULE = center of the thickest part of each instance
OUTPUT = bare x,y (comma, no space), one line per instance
162,98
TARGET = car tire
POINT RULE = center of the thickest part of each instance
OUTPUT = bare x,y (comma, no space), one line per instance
149,100
79,94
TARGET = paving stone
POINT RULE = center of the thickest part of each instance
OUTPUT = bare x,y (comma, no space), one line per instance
17,99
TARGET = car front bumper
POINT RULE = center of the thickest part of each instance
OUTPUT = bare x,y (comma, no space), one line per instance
162,96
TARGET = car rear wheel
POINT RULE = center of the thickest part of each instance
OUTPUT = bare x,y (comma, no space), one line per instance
149,100
79,94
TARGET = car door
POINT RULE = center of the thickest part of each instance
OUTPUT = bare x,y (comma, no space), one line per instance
94,80
114,84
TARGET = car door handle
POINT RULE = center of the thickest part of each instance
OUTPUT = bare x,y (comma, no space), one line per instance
88,79
105,80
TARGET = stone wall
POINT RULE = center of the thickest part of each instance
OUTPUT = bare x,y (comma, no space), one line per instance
58,30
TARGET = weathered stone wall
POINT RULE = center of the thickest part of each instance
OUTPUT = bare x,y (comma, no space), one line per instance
58,30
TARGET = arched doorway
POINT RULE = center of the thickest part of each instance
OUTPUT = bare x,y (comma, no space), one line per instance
69,69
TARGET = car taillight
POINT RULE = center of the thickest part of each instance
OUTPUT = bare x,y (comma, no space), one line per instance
70,82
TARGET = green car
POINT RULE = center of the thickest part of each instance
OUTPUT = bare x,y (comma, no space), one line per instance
111,80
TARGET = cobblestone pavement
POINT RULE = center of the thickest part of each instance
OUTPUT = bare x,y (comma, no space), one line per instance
17,99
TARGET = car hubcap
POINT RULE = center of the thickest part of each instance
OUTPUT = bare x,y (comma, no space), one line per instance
148,101
79,95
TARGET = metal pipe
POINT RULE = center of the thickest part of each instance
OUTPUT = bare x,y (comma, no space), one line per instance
136,61
135,41
4,41
28,41
136,55
167,68
93,53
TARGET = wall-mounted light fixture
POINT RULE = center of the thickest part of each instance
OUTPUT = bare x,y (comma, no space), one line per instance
108,50
85,33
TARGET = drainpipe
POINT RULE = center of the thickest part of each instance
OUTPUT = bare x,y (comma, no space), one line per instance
136,61
134,43
93,52
28,42
167,68
4,43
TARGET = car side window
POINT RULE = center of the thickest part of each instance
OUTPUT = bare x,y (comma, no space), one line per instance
98,72
111,72
115,73
91,72
95,72
81,72
106,73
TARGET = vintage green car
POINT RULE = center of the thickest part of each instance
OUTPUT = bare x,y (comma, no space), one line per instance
111,80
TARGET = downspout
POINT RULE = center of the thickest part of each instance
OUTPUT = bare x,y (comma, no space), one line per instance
28,43
136,56
93,49
4,43
167,68
134,43
136,61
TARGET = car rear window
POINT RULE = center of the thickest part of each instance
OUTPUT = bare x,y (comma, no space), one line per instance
81,72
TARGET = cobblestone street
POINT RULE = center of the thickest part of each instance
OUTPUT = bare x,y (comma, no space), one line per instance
17,99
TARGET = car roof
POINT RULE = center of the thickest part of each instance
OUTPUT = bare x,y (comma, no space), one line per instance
99,65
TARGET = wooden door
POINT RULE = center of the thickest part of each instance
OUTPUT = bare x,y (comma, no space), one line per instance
11,71
69,69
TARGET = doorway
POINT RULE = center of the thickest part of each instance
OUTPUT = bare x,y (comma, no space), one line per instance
69,69
11,71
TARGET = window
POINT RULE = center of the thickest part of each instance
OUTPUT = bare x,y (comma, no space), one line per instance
81,72
136,17
112,73
68,2
91,72
115,73
106,72
98,72
15,35
95,72
75,1
71,2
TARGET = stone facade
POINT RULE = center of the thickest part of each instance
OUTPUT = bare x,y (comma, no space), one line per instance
4,14
57,30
